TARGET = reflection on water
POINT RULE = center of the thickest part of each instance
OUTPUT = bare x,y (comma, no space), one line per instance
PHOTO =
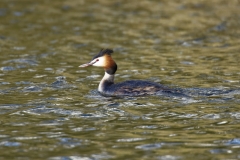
50,108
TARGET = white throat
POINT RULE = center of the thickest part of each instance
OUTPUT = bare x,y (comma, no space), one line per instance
106,80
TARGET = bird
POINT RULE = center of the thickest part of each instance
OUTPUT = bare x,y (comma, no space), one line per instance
132,88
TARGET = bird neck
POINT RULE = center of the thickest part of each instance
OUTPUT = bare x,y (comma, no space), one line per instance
107,80
111,67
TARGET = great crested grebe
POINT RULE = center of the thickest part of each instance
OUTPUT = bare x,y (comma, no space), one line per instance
107,87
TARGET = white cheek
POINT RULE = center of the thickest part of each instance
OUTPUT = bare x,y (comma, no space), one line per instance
100,62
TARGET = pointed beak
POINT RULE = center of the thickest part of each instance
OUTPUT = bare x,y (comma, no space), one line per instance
85,65
89,64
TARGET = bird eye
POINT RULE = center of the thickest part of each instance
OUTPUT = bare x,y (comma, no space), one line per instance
97,60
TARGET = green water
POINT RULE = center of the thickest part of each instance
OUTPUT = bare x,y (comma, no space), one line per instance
50,108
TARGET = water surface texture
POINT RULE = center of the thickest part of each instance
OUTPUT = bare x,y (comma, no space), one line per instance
50,108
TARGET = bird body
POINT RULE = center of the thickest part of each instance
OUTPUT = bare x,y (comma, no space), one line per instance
107,87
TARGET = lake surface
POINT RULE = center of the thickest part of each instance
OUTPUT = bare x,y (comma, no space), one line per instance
50,108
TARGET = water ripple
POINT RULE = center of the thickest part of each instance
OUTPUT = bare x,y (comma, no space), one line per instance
100,156
130,139
149,146
70,142
7,68
32,89
169,157
10,144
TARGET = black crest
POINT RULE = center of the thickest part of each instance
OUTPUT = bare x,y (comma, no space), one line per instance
103,52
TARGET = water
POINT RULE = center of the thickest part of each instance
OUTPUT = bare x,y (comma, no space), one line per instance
50,108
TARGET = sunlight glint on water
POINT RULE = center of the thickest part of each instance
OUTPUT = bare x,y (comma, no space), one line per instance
50,108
